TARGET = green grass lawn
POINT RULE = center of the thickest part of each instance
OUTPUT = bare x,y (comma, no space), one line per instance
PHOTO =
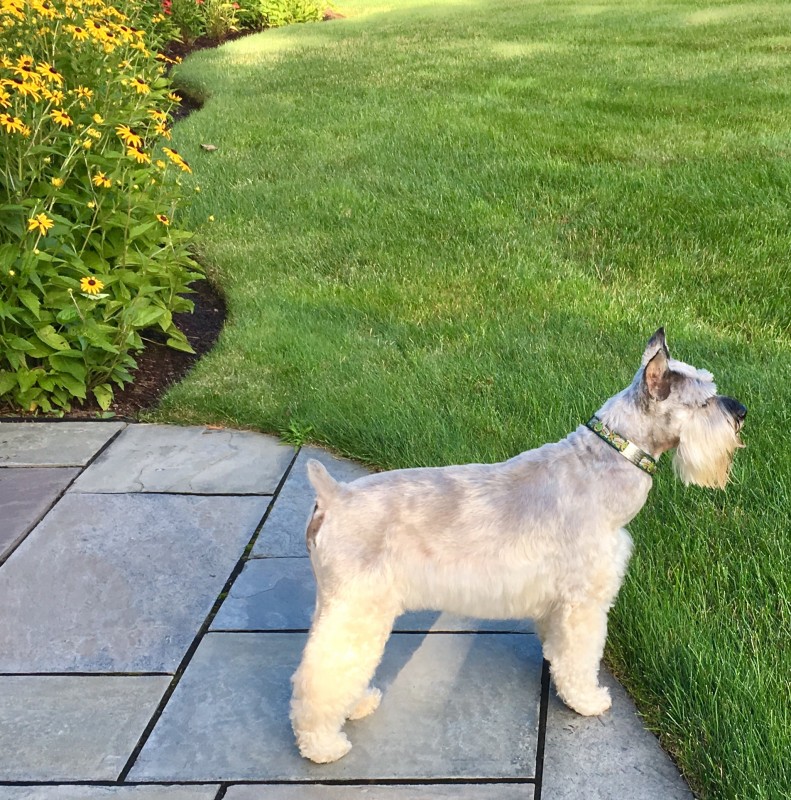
446,231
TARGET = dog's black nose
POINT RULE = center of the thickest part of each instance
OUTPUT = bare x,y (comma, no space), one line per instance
735,408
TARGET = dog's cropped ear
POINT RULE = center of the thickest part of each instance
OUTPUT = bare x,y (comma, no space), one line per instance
656,376
656,343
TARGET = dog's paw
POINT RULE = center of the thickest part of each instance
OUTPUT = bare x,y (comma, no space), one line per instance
369,703
325,749
592,703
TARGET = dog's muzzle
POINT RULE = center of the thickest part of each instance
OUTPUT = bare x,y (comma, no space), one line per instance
737,411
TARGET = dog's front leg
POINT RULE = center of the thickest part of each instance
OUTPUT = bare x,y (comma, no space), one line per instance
573,638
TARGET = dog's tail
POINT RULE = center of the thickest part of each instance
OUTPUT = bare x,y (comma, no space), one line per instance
325,485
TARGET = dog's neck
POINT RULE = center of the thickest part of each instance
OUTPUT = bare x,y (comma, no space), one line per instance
629,450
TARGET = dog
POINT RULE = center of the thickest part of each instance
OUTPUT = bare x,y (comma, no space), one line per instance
541,535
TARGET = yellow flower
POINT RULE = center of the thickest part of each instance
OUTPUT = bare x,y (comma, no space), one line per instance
160,163
211,217
50,74
12,124
5,98
162,130
55,96
163,219
77,33
91,204
42,223
93,133
138,155
157,116
57,182
176,159
100,179
82,91
27,89
62,118
91,285
128,136
98,119
173,97
141,87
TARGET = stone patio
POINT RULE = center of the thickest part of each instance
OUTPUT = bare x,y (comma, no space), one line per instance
155,597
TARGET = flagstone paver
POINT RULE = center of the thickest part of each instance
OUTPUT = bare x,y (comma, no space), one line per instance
25,496
612,756
454,791
279,594
57,444
119,582
283,533
76,792
153,458
58,727
454,706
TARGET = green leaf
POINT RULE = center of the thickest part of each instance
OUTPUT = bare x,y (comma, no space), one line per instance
180,344
70,366
29,300
49,336
8,382
145,316
18,343
104,395
75,387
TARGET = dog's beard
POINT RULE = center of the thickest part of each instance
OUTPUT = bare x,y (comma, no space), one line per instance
705,451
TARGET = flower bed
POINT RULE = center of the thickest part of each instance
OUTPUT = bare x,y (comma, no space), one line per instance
88,189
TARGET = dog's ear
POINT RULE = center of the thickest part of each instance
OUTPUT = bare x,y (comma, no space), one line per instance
656,343
656,376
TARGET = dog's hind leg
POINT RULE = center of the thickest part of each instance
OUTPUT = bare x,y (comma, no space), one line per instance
332,684
573,639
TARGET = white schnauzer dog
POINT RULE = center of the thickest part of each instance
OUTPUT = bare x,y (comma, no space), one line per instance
540,535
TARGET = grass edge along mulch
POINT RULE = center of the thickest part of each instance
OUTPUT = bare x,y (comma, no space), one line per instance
446,232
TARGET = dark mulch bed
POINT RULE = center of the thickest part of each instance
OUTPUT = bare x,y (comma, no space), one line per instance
158,366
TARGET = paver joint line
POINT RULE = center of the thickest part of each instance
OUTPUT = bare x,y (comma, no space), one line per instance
204,628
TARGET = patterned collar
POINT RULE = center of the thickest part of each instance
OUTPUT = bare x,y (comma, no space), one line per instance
631,452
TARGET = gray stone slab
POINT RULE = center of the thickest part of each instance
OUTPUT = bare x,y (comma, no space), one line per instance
58,728
454,706
607,757
53,444
455,791
25,496
119,792
166,458
283,534
279,594
118,583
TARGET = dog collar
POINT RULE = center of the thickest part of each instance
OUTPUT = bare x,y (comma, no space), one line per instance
629,450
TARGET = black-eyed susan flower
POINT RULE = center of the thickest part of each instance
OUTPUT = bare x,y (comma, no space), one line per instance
41,223
173,97
157,115
128,136
101,180
163,219
5,98
55,96
29,89
62,118
77,33
162,130
91,285
12,124
139,155
84,92
49,73
139,85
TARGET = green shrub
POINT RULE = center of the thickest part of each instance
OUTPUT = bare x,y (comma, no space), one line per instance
276,13
88,188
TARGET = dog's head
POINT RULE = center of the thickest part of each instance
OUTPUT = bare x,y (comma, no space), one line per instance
681,407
